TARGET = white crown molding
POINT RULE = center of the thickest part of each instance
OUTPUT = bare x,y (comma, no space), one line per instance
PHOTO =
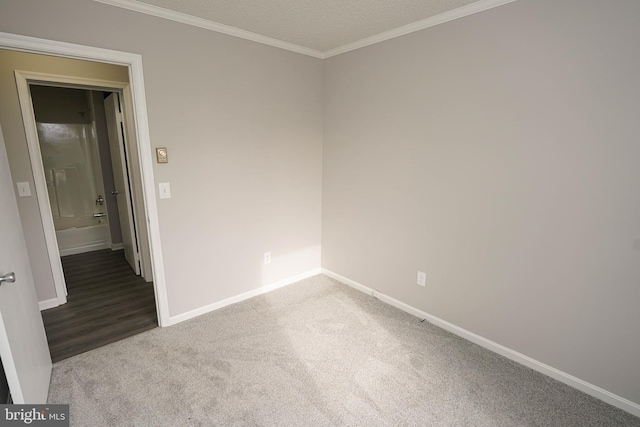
577,383
209,25
172,15
460,12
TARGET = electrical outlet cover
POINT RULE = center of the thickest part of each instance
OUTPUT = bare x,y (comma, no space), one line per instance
23,189
422,278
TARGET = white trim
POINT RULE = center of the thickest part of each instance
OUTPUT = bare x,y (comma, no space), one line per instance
66,50
183,18
136,81
40,183
451,15
116,246
57,80
238,298
48,303
84,248
590,389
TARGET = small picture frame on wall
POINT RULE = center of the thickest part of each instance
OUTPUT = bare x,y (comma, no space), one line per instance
161,155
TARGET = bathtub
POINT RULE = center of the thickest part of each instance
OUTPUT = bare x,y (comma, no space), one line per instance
83,239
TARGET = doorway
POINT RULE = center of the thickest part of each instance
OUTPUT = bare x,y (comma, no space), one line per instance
85,160
84,157
77,165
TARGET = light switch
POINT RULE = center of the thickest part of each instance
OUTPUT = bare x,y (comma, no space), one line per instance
23,189
165,190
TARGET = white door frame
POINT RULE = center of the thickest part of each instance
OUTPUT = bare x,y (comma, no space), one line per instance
141,127
23,80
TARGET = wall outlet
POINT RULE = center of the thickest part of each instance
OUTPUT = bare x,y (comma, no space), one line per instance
23,189
267,257
422,278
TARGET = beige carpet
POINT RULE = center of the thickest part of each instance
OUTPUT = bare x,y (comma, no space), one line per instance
316,353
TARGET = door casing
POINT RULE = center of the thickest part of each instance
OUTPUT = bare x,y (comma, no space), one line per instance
135,96
23,80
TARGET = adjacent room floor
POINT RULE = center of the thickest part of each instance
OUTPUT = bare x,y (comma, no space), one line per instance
106,303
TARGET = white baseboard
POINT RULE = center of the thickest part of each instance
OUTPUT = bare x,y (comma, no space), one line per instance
85,248
588,388
49,303
232,300
117,246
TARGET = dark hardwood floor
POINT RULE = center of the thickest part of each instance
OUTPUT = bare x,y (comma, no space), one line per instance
106,303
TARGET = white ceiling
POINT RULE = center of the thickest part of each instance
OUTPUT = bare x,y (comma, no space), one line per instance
319,28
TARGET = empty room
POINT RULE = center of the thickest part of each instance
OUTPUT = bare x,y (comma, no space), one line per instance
341,213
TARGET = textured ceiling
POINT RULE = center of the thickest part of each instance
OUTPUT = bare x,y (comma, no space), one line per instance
321,25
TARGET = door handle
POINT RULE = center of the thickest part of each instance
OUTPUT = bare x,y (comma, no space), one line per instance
115,192
9,278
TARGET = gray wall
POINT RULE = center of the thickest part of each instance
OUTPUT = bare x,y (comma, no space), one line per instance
243,126
499,154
